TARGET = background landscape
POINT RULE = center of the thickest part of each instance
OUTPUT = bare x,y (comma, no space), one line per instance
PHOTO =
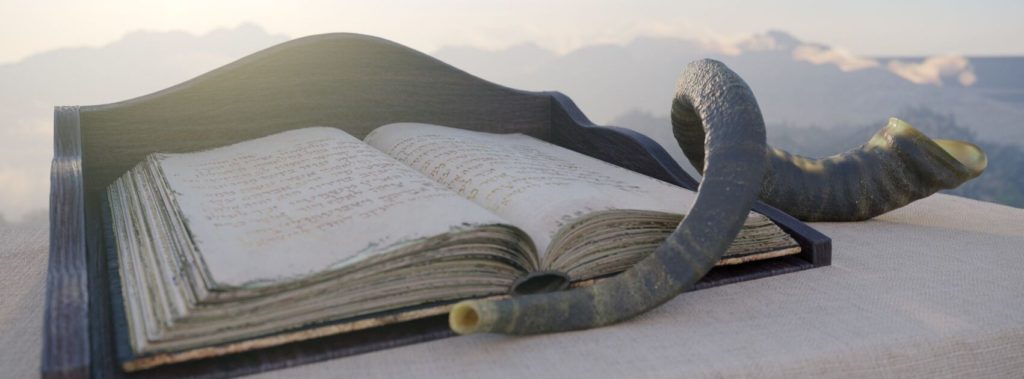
817,100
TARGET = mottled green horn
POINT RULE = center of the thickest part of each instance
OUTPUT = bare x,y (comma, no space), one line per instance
735,151
897,166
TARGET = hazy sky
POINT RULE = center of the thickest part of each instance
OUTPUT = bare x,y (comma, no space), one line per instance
865,27
862,28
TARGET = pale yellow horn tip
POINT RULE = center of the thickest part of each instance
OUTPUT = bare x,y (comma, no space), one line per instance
464,318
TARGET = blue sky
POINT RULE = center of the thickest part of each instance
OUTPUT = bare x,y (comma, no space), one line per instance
866,27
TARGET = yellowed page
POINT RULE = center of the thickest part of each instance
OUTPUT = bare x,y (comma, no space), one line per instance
535,185
299,202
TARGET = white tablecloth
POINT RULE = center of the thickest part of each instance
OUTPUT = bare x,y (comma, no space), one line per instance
935,289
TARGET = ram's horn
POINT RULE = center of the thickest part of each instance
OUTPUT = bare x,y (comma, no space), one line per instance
718,124
735,151
897,166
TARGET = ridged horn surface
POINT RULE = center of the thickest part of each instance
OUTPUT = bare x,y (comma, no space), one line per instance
897,166
718,124
735,152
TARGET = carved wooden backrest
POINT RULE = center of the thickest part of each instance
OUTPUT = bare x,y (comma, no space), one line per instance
349,81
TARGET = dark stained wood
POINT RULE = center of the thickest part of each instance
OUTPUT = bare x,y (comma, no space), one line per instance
352,82
815,246
626,148
66,349
722,275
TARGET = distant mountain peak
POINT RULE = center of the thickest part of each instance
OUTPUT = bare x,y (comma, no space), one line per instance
783,38
245,30
527,47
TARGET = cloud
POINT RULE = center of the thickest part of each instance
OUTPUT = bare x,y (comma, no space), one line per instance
772,40
733,47
843,59
934,69
721,45
780,41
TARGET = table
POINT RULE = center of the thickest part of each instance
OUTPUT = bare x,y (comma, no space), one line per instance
935,289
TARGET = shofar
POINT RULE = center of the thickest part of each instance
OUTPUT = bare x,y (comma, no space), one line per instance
717,122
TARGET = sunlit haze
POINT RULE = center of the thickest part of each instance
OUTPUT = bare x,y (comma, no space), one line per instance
855,62
870,27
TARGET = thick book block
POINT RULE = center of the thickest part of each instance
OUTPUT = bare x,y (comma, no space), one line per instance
351,82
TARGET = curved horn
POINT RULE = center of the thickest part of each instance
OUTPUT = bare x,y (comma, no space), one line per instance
735,151
897,166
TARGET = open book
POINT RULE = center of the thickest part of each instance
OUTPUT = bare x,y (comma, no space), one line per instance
313,225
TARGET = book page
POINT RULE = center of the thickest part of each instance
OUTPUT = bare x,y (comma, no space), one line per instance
285,206
535,185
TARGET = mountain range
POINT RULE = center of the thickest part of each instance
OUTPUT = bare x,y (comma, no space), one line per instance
1002,182
797,83
801,86
137,64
